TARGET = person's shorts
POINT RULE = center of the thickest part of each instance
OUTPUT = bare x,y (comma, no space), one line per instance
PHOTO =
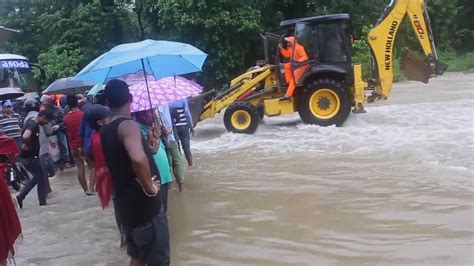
149,242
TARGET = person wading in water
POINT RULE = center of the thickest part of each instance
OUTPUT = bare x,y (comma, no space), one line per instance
135,181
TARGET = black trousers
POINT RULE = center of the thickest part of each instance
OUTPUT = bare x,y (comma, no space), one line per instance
33,165
164,197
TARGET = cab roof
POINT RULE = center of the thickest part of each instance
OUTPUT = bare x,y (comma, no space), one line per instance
317,19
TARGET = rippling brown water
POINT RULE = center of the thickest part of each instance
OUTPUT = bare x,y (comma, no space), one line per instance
393,186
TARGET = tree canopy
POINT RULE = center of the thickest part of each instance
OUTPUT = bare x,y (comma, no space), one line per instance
65,35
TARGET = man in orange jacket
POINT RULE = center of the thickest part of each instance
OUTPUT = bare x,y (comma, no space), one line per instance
297,54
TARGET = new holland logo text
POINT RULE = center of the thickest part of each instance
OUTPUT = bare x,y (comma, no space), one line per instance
389,45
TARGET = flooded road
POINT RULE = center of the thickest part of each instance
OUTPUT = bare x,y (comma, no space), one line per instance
393,186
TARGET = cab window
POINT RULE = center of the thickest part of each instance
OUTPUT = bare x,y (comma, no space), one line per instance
331,44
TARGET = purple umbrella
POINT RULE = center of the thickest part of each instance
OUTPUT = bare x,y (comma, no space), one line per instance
165,90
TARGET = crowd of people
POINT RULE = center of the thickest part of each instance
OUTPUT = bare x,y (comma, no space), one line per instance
132,158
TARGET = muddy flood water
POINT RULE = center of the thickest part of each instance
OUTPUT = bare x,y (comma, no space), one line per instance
392,186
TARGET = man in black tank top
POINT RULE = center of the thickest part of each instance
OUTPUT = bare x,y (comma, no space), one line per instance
135,181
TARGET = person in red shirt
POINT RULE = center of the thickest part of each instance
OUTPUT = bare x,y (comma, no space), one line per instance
97,117
72,121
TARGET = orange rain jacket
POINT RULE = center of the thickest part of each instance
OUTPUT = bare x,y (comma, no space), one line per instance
298,53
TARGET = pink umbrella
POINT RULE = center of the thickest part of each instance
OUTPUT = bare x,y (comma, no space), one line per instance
165,90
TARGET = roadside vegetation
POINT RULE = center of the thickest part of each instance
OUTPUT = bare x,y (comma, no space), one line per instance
66,35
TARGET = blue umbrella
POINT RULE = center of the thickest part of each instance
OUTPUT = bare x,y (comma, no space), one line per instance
159,58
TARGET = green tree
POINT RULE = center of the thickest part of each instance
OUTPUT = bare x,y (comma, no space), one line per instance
66,35
225,29
59,62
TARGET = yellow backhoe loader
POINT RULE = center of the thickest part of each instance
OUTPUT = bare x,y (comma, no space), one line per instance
332,85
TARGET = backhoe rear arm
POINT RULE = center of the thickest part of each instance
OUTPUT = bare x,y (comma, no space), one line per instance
382,39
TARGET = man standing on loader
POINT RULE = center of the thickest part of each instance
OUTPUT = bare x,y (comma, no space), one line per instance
298,54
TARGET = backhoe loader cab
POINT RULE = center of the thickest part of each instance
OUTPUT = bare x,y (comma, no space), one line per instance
321,92
328,84
326,40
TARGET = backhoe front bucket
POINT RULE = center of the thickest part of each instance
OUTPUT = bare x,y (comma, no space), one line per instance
196,104
414,68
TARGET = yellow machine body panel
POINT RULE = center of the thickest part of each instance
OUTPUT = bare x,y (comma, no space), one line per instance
239,86
274,107
358,91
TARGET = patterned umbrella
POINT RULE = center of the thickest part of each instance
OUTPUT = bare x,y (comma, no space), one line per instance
165,90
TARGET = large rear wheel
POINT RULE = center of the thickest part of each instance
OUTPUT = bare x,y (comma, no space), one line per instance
241,117
324,103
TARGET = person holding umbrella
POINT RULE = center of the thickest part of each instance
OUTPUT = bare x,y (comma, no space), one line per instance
152,133
160,59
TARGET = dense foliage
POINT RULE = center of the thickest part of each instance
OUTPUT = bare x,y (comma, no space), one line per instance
65,35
